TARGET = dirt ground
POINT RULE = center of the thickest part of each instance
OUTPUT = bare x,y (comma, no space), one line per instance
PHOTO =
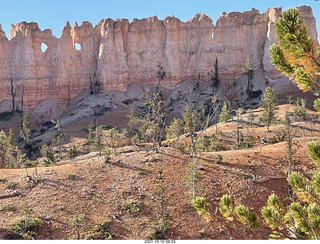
100,189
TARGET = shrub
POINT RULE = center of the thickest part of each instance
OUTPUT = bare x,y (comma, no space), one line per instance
100,231
5,115
6,207
107,153
3,180
135,140
10,185
48,153
72,153
72,177
132,208
128,101
141,173
219,158
215,142
200,144
24,228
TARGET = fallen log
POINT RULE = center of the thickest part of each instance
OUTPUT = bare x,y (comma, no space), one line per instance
11,194
264,179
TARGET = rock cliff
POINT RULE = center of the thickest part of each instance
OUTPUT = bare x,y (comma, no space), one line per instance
119,52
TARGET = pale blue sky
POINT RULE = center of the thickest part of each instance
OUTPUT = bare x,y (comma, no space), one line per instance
53,14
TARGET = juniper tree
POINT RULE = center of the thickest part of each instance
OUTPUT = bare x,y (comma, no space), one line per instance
269,105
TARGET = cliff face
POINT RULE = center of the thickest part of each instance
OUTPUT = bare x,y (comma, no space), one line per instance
117,52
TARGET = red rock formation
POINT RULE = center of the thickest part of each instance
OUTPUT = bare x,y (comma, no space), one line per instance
118,52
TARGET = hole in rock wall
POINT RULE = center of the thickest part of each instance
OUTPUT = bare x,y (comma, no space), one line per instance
212,35
77,46
44,47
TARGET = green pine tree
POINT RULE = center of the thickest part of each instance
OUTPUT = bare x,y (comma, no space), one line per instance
300,109
79,221
174,130
25,132
225,113
248,68
269,105
296,55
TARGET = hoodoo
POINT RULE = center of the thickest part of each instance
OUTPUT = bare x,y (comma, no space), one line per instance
119,52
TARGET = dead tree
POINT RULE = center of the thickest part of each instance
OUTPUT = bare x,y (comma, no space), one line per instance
161,74
95,85
13,95
230,90
22,96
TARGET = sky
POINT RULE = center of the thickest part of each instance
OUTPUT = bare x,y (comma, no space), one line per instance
53,14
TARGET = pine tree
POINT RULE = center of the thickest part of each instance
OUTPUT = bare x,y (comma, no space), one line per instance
297,58
193,178
203,208
174,130
291,146
296,55
300,219
161,200
10,154
79,221
97,142
25,132
216,79
248,68
58,140
48,153
300,109
225,113
191,120
161,74
113,137
269,105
